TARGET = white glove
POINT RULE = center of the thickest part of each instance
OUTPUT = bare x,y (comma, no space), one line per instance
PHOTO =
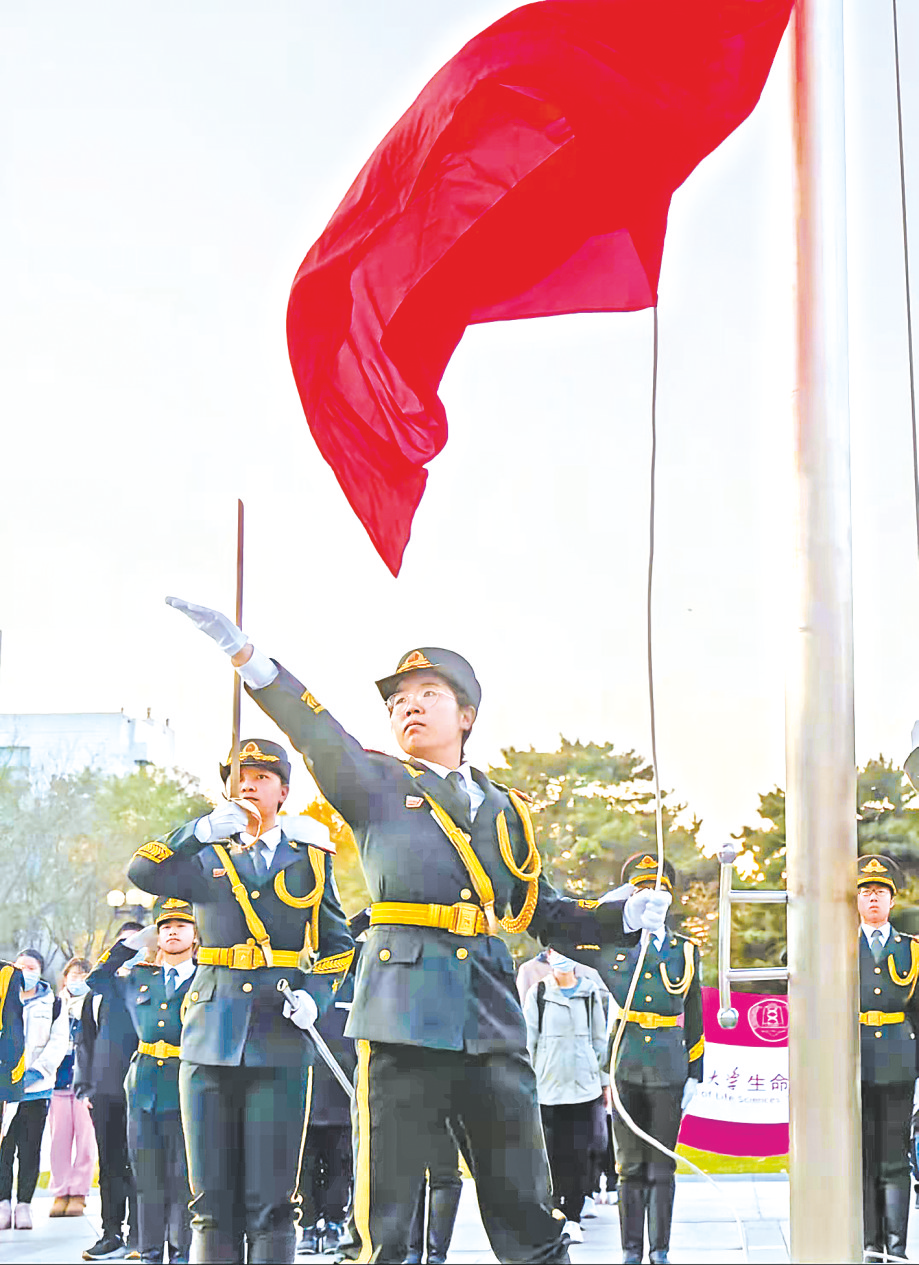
226,820
689,1093
138,941
914,737
306,1013
646,910
618,893
916,1095
219,628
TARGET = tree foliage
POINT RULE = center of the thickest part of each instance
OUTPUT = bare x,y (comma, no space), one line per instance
65,846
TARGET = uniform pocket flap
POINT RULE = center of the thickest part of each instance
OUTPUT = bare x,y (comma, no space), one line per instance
202,990
402,950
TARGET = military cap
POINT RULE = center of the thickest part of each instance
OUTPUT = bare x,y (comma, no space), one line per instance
455,670
641,870
261,754
878,869
168,907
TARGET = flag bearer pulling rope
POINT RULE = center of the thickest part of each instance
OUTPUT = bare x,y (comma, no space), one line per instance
440,1033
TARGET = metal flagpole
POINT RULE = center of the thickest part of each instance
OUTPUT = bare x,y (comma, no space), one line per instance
237,683
825,1116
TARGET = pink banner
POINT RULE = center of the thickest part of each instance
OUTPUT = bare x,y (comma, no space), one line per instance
741,1107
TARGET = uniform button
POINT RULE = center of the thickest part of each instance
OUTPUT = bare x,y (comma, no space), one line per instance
878,1033
647,1039
877,990
465,894
159,1062
647,974
462,953
164,1005
647,998
161,1024
384,955
194,996
255,895
877,970
247,987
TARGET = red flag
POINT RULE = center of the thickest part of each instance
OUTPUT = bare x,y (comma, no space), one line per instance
532,176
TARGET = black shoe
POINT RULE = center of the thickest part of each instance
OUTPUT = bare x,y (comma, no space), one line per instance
111,1247
896,1217
309,1244
332,1236
444,1205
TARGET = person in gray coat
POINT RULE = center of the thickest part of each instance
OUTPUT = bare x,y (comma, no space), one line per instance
566,1038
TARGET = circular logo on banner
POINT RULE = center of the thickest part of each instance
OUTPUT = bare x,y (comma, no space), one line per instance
769,1020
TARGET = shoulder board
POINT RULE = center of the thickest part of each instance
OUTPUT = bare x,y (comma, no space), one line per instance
148,966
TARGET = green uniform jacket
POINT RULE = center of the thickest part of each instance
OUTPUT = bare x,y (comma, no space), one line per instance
12,1034
151,1084
422,985
889,1054
234,1017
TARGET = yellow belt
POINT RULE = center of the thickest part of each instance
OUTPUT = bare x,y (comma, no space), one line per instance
158,1049
875,1018
647,1019
460,919
246,957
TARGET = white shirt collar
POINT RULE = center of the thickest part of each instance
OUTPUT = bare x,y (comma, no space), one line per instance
269,840
659,937
184,970
885,931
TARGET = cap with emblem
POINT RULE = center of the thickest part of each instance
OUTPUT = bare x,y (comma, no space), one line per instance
261,754
454,669
641,870
878,869
167,907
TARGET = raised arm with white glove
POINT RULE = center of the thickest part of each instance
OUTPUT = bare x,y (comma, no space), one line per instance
258,670
646,910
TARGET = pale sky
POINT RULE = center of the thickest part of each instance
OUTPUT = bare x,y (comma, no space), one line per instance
165,167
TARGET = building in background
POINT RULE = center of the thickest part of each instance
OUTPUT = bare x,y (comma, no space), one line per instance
45,746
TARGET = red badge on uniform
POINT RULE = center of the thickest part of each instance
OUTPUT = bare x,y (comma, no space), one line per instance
218,873
414,801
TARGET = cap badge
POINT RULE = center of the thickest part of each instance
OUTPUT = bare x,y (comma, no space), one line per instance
174,903
251,751
646,863
874,867
415,660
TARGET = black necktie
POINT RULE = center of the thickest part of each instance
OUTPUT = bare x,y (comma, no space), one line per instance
457,784
258,863
171,976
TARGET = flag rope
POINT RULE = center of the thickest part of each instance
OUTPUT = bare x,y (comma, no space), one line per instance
658,823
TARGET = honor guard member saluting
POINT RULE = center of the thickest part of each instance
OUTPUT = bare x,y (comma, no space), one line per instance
438,1024
12,1042
263,906
154,996
888,968
659,1066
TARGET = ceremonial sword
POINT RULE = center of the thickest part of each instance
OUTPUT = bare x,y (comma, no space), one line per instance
328,1057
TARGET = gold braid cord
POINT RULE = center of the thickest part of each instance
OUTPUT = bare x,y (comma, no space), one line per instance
681,986
912,974
311,901
253,922
528,873
474,867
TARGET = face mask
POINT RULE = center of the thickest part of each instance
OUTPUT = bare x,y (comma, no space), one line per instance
78,989
30,979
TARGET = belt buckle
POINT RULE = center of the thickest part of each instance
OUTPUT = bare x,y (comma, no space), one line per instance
873,1018
242,957
464,919
647,1020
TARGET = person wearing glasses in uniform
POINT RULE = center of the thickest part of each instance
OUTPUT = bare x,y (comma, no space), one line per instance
449,858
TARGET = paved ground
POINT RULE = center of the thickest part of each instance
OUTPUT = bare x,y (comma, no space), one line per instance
704,1229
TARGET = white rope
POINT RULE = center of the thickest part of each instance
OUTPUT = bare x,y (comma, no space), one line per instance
659,830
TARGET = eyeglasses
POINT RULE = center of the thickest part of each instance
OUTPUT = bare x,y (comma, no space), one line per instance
428,696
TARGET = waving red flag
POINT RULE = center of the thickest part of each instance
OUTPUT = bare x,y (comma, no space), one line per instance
531,177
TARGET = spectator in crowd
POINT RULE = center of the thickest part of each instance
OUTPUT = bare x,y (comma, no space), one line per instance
73,1144
46,1039
326,1168
106,1045
566,1038
537,968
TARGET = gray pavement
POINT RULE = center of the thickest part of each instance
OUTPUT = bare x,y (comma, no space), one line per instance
704,1229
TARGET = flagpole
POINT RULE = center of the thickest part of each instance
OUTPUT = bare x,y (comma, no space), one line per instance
824,1075
237,684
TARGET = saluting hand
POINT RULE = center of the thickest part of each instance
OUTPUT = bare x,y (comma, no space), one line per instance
305,1014
219,628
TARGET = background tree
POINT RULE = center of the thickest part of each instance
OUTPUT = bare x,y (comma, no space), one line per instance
65,846
593,807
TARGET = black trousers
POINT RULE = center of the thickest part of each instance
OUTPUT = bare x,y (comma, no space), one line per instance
886,1114
405,1095
325,1173
657,1111
116,1181
23,1138
243,1133
575,1135
157,1149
